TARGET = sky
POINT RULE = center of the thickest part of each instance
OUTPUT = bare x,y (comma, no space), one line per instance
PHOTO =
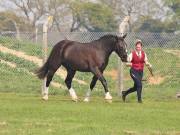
4,4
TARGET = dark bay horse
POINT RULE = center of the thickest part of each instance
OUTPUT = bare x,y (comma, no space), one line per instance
84,57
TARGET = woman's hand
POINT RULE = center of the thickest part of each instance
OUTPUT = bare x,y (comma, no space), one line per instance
128,64
149,65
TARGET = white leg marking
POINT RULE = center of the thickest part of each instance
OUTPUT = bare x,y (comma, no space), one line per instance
88,93
73,94
45,94
108,96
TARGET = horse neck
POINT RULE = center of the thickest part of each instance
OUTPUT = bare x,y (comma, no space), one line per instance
108,47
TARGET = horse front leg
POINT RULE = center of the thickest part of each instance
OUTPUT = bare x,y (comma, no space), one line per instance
104,83
100,76
88,93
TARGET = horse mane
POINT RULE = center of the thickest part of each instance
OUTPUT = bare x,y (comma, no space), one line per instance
109,38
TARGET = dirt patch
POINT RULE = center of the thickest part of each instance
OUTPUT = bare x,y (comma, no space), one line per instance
128,132
33,59
178,65
58,85
36,60
174,52
3,123
112,73
13,65
156,80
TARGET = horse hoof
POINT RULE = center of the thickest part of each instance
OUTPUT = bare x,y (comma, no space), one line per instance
108,96
86,99
75,99
109,101
45,97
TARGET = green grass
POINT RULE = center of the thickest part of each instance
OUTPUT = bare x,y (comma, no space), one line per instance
17,80
25,114
20,62
25,46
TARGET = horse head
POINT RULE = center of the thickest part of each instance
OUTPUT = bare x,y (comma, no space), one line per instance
121,48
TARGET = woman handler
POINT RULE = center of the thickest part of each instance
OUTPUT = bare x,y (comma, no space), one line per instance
136,60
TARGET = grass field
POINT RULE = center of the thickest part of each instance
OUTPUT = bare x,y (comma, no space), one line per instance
25,114
22,111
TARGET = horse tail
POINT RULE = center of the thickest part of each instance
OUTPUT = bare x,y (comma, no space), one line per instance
42,72
52,61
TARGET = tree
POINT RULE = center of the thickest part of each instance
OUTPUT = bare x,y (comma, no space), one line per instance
138,10
92,17
101,15
32,10
151,25
173,14
60,11
11,22
73,15
170,23
154,25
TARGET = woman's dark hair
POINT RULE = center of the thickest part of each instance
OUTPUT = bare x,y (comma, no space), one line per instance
138,41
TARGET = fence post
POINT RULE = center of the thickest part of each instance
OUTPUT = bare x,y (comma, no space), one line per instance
46,21
120,77
123,28
44,50
36,35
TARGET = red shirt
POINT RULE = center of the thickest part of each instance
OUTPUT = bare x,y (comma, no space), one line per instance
138,62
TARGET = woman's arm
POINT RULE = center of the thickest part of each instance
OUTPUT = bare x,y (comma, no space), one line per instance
146,61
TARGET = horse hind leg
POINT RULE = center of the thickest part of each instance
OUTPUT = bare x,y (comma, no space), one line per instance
68,81
49,77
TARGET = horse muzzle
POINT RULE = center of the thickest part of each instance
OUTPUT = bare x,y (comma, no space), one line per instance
124,59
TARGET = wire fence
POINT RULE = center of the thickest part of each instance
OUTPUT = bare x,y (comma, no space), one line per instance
163,50
165,40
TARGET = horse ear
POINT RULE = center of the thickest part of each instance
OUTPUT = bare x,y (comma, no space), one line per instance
124,36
